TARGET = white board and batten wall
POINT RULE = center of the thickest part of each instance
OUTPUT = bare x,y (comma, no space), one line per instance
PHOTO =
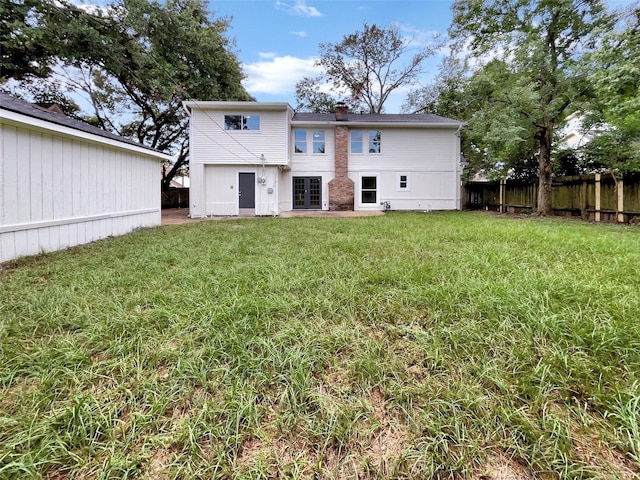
61,187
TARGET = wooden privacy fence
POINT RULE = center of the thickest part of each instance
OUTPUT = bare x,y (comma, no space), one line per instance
175,198
599,197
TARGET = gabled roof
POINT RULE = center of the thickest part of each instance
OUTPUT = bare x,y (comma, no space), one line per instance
17,105
378,118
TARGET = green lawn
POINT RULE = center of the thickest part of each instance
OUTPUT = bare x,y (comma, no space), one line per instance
440,345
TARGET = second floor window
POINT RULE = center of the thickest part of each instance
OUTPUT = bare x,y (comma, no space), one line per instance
318,141
369,139
242,122
300,139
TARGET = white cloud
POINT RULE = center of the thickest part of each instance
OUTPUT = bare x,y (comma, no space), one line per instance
99,10
299,8
418,38
278,76
301,34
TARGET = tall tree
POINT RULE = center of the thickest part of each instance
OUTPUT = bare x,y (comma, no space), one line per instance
365,68
542,41
615,106
137,60
24,50
445,95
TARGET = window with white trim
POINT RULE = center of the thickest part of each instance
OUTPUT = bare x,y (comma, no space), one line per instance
371,139
402,182
242,122
300,139
369,189
318,141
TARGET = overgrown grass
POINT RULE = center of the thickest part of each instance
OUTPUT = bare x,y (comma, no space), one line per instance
418,346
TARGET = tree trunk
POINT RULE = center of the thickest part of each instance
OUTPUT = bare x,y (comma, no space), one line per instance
544,170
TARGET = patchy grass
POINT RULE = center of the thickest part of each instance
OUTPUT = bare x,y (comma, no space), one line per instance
451,345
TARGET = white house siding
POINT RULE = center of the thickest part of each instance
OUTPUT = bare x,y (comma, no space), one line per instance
218,156
427,148
221,192
211,143
430,158
310,165
58,189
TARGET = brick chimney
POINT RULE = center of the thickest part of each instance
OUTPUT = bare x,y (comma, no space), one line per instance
341,187
341,112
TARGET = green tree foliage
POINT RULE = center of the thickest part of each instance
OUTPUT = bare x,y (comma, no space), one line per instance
541,43
497,141
446,95
615,106
615,69
137,60
364,69
24,47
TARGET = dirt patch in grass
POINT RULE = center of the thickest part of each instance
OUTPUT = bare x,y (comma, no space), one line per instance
158,465
501,466
592,451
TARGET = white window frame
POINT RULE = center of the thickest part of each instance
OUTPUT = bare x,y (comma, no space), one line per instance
375,204
313,142
399,187
306,141
243,122
365,141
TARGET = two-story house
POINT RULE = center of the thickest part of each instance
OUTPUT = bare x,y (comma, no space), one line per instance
264,158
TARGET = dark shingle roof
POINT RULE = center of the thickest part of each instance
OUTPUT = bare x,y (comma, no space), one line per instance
425,119
17,105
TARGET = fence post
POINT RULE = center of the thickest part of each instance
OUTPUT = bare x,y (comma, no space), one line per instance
584,202
620,209
597,206
503,195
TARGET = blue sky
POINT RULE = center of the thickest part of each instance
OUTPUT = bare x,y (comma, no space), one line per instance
277,40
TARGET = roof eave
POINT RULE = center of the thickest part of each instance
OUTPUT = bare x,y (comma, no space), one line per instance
223,105
380,124
10,116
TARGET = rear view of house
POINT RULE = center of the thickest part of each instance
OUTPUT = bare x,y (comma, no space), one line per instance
263,159
64,182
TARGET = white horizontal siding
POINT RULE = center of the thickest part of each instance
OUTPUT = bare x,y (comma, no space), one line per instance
211,143
429,157
411,150
220,190
286,186
58,191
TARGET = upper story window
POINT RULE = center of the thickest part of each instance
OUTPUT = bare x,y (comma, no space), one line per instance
369,139
300,139
318,141
242,122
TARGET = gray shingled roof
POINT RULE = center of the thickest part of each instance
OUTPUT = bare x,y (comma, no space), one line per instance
425,119
17,105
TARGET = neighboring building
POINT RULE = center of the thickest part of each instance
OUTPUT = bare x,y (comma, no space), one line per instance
64,182
263,159
574,135
179,180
